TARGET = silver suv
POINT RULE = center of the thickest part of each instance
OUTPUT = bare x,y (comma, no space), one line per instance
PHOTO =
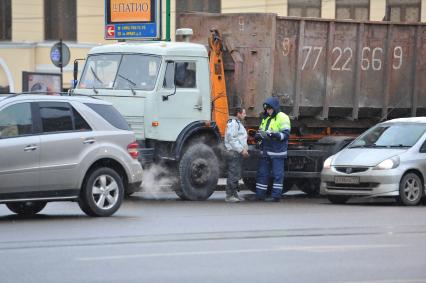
65,148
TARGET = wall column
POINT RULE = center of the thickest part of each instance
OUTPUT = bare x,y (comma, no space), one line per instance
377,10
328,9
277,6
27,20
90,21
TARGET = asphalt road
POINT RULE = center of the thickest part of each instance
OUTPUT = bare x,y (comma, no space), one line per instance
167,240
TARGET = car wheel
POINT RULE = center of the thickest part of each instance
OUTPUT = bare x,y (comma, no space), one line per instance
102,193
338,199
198,172
410,189
26,207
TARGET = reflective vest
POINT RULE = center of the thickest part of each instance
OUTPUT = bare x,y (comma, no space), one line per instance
280,123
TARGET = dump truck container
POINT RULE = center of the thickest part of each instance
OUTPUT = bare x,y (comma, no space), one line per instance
332,72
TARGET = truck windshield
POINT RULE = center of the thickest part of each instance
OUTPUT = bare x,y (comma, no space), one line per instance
390,136
128,71
100,71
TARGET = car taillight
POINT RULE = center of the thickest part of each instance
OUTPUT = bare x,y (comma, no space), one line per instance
133,150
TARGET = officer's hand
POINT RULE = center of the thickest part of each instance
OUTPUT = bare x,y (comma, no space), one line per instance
245,153
275,136
258,137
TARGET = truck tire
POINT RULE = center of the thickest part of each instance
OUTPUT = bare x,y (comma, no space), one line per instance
311,187
330,145
26,208
176,186
198,173
250,184
337,199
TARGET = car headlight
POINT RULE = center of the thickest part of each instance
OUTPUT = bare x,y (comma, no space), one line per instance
387,164
327,162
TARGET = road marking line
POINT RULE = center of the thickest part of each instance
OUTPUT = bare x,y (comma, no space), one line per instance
389,281
241,251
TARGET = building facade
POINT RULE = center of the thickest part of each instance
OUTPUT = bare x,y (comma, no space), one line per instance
29,28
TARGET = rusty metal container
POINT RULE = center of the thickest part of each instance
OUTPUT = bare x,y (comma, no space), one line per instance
322,70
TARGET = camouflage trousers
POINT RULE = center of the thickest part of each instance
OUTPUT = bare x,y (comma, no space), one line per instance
234,163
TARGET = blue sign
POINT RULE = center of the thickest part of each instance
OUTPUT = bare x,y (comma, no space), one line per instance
131,30
139,19
55,54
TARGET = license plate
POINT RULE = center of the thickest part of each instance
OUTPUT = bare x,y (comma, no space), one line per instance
346,180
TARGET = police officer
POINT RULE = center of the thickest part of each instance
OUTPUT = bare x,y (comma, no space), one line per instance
236,149
274,133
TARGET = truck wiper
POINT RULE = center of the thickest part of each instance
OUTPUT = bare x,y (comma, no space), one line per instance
96,76
132,83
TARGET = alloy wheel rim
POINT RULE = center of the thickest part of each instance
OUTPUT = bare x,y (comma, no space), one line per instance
105,192
411,189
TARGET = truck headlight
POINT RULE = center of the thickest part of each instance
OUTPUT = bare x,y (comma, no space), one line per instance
387,164
327,162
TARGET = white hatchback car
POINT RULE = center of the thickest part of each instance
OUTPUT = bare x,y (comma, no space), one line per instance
387,160
65,148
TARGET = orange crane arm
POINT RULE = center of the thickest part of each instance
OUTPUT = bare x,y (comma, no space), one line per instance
220,112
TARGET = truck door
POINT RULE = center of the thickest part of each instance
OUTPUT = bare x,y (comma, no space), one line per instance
180,100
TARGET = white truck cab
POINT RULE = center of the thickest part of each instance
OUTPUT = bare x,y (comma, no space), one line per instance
159,87
163,91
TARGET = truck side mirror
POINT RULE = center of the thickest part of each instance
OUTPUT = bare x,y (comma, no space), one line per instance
75,70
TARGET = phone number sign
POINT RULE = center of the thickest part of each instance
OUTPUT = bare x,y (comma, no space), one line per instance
132,19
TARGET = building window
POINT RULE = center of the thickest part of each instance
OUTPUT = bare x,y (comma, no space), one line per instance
60,20
354,10
304,8
5,20
403,10
208,6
